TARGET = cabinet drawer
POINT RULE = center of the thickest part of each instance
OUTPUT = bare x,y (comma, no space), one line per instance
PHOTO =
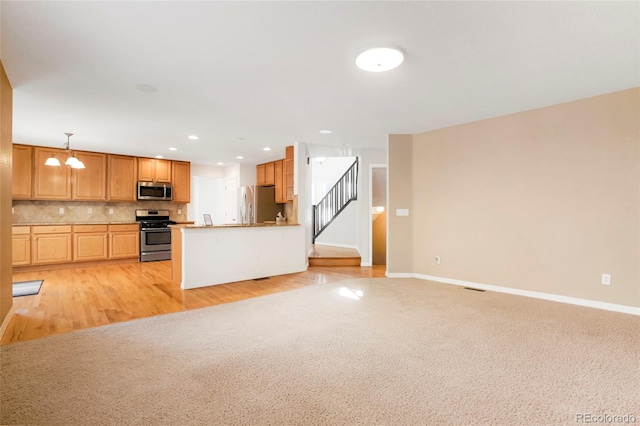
90,228
124,228
20,230
52,229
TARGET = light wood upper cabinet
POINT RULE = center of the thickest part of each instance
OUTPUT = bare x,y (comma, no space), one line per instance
89,184
269,173
121,178
22,171
181,181
279,174
154,170
288,174
51,244
21,245
51,183
265,174
260,175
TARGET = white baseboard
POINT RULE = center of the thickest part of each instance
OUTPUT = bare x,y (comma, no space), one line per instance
534,294
6,321
365,263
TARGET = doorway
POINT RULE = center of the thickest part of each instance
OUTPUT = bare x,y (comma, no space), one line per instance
378,214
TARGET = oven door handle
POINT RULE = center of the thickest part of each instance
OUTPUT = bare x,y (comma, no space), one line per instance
155,229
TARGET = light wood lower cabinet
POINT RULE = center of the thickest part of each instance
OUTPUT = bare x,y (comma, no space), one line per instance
89,242
124,241
51,244
21,245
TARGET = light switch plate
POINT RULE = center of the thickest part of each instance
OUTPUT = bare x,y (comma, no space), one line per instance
402,212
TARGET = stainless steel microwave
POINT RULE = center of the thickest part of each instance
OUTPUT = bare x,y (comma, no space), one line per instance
155,191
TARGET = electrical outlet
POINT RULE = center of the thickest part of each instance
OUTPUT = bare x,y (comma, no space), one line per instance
89,210
606,279
437,258
13,210
110,211
179,211
61,210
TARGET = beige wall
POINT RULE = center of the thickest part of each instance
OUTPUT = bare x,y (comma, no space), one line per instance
545,200
400,236
6,117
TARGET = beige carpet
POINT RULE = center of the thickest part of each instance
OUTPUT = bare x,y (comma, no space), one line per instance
409,352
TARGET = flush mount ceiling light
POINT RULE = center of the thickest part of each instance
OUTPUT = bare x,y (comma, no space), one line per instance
220,164
326,132
240,157
72,160
266,148
173,149
193,137
379,59
321,160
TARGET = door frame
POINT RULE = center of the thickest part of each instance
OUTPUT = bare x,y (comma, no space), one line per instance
370,215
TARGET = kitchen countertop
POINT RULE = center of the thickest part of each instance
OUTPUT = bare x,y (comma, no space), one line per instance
74,223
233,225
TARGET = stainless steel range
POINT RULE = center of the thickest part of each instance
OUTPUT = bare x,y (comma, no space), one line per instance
155,234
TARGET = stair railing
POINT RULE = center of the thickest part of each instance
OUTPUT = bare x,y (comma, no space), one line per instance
338,197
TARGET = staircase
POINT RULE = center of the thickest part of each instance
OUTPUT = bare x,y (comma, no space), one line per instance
336,200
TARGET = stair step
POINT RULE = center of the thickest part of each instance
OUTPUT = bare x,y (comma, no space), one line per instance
333,256
334,261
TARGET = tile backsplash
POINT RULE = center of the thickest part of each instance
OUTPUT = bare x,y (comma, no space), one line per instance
32,212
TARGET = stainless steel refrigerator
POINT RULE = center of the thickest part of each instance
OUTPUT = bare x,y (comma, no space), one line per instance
257,204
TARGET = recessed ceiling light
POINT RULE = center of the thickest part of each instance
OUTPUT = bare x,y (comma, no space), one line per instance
345,144
379,59
266,148
241,139
193,137
240,157
220,164
173,149
325,132
159,156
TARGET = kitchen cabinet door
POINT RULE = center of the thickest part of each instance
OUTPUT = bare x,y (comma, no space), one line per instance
181,181
260,175
279,177
51,183
124,245
22,172
51,248
89,242
89,184
121,178
154,170
269,174
21,245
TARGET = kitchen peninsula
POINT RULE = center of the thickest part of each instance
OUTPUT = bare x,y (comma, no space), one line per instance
210,255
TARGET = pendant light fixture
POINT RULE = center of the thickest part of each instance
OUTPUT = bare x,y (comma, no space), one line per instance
72,161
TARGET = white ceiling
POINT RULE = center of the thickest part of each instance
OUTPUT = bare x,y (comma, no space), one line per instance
275,73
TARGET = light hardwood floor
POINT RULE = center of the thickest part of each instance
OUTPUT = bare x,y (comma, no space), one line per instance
83,297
